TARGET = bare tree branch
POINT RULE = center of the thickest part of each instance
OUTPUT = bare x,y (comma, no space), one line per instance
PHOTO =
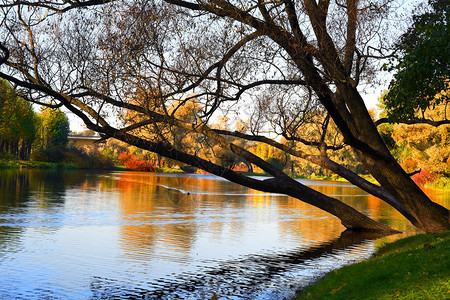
330,165
415,121
6,54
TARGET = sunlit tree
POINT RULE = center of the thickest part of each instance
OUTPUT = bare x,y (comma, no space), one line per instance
422,70
18,123
55,128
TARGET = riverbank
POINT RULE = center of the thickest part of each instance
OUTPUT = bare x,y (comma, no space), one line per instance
442,183
416,267
29,164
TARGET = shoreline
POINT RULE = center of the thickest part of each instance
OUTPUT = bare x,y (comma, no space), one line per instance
442,183
413,267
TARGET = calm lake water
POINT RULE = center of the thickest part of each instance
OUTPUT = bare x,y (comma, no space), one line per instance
78,235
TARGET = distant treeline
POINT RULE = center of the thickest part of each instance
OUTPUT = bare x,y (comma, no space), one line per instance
22,129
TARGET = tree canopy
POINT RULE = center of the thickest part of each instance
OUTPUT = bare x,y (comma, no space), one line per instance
288,69
18,123
422,78
55,128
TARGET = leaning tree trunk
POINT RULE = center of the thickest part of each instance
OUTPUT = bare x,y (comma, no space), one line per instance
350,218
385,169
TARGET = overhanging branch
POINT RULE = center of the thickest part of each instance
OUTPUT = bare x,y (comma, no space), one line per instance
350,218
329,164
265,82
58,7
415,121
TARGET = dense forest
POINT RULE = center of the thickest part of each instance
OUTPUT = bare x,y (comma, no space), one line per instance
19,124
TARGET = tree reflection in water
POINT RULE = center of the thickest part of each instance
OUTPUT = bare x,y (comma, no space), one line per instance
256,276
141,235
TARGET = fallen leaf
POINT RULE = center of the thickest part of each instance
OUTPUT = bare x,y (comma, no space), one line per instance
338,289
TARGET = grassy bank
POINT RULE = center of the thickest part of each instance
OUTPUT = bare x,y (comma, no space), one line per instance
442,183
168,170
26,164
416,267
312,176
29,164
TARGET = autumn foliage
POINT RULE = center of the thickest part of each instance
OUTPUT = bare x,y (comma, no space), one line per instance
424,177
409,165
132,162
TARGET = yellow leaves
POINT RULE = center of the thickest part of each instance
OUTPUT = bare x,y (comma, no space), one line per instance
444,94
373,113
42,18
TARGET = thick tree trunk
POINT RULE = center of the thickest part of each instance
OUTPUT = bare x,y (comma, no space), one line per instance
22,150
349,113
430,216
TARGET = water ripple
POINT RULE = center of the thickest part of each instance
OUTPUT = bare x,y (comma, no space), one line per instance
265,276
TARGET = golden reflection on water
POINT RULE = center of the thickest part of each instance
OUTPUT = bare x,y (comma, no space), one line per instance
143,201
142,227
154,212
161,212
316,225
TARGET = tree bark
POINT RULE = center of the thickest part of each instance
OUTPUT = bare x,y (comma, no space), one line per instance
430,216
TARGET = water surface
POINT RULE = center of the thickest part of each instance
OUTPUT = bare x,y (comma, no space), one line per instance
78,235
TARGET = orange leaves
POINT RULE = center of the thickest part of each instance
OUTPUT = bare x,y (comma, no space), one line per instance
409,165
131,162
124,157
424,177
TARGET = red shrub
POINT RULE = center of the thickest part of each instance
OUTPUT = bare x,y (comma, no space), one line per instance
424,177
131,162
124,157
139,165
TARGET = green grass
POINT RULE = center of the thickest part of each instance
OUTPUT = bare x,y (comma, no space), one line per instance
440,183
120,168
37,165
168,170
159,170
9,164
417,267
28,164
17,164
